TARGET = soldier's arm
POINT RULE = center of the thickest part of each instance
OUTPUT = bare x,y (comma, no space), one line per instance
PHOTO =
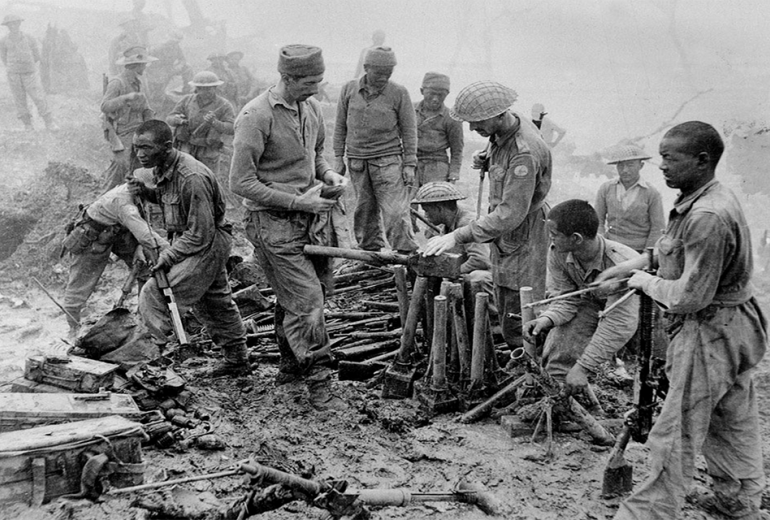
455,137
113,99
560,311
601,207
341,122
657,220
131,219
407,124
197,201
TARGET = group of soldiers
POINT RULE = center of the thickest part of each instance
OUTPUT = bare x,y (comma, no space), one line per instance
396,154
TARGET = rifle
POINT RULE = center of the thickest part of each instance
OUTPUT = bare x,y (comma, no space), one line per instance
618,474
161,278
482,175
125,291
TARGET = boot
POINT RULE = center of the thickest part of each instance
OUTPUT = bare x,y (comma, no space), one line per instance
288,372
319,389
234,364
737,507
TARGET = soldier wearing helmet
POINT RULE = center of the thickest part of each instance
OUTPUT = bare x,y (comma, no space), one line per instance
124,107
201,119
439,202
20,55
519,179
630,209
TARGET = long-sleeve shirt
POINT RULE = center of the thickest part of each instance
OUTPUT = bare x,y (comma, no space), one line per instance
125,115
277,151
196,131
378,125
705,254
566,274
633,217
437,133
476,256
519,180
117,207
192,205
19,55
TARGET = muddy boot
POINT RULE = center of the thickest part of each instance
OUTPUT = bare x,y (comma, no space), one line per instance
288,372
734,507
234,364
319,387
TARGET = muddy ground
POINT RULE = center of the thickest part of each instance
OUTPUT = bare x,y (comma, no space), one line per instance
376,444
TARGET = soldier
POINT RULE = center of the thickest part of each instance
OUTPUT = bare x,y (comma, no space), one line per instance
20,55
279,169
129,37
218,66
244,79
376,129
171,63
112,224
552,133
630,206
437,133
519,179
718,334
439,201
193,209
201,119
125,107
579,342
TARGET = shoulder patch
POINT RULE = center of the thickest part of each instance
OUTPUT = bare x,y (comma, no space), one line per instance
522,170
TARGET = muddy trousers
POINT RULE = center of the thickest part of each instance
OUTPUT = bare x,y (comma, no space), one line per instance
87,268
711,405
566,343
200,283
23,85
122,165
278,238
383,202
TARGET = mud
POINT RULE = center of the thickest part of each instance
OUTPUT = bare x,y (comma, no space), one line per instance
375,444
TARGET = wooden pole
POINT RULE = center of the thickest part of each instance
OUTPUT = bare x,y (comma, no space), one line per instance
402,293
479,338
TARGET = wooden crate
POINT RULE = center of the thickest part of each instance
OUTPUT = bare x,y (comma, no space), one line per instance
43,463
79,374
19,411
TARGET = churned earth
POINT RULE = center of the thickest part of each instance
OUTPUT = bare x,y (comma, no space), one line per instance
375,444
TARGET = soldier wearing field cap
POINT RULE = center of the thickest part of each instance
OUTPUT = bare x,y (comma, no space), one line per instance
437,133
124,108
376,129
20,55
279,169
630,209
201,119
519,164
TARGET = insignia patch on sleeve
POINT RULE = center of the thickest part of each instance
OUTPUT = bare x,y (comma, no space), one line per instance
521,170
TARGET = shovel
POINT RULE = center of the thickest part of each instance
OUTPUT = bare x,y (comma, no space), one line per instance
618,476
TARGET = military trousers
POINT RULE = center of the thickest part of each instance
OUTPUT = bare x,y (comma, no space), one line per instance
383,201
123,164
23,85
278,238
711,406
200,283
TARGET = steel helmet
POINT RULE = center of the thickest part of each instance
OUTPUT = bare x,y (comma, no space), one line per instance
481,100
206,78
625,152
437,192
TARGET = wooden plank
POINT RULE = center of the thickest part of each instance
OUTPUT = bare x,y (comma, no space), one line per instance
25,386
25,410
79,374
51,436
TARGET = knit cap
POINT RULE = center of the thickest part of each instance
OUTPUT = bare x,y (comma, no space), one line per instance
380,57
436,80
301,60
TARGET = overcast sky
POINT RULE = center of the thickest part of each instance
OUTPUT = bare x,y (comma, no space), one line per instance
605,70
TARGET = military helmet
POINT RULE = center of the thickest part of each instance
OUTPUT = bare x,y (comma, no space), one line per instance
482,100
437,192
625,152
206,78
11,18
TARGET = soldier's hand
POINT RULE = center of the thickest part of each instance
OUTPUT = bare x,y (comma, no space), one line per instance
135,97
407,174
479,156
339,165
136,188
209,117
576,380
163,263
312,202
139,255
178,119
639,279
440,244
534,327
332,178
